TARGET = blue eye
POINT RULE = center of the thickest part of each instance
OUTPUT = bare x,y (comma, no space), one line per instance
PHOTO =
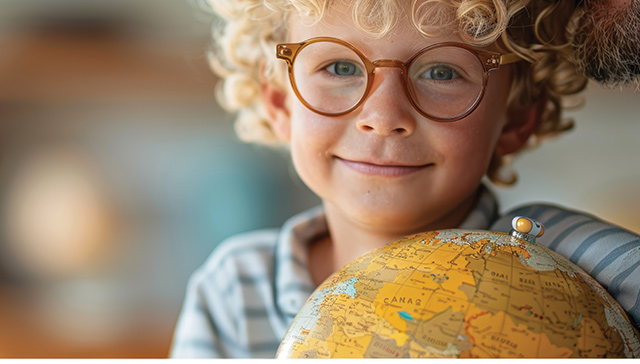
440,73
343,68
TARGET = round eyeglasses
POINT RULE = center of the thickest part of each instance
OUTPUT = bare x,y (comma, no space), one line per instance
444,81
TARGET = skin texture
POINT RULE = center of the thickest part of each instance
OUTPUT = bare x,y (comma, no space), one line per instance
384,171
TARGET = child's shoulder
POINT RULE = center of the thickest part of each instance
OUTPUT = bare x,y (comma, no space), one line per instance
242,252
239,260
252,255
572,233
560,222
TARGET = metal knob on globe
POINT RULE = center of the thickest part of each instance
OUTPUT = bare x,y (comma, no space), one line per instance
526,228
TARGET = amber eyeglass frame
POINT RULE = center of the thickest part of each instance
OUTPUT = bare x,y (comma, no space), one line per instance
489,60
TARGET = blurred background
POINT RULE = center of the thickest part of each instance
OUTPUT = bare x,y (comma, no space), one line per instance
119,173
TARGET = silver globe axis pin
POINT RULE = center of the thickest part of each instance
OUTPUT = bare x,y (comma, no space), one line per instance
526,228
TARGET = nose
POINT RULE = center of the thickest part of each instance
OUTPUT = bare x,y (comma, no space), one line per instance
387,110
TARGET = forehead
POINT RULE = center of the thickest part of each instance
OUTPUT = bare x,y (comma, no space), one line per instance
346,22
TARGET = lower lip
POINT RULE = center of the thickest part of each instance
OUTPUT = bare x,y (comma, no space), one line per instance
378,170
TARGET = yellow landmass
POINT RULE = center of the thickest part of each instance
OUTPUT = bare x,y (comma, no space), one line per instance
525,278
416,252
498,336
389,332
505,254
440,302
455,280
418,351
526,308
498,272
439,332
321,349
444,255
492,295
360,319
347,346
553,281
549,350
478,322
423,279
592,342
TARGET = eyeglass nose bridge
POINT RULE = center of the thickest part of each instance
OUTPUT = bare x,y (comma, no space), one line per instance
390,63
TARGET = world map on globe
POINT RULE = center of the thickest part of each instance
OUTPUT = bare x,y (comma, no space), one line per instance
460,293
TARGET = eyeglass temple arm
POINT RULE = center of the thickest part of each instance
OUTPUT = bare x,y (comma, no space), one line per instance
286,52
496,60
510,58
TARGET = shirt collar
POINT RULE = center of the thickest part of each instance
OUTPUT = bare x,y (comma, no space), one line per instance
484,213
293,282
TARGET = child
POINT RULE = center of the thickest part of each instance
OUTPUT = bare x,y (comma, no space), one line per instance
391,147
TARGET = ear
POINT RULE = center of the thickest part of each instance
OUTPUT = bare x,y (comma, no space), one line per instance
523,122
274,100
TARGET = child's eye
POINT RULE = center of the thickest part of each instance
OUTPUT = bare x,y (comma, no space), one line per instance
344,68
440,73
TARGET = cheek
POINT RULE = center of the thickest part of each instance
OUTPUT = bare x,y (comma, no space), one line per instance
472,141
489,119
472,152
476,136
311,133
312,139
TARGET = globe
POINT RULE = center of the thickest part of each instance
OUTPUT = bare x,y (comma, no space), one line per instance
460,293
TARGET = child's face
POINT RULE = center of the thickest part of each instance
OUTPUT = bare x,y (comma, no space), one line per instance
384,166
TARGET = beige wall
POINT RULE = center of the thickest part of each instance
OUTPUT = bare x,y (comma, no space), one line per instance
595,167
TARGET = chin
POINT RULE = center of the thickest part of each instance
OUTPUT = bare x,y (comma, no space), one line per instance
399,222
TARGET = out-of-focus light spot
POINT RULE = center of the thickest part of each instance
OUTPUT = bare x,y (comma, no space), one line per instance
57,220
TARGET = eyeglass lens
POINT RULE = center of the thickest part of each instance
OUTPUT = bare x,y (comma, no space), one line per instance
445,81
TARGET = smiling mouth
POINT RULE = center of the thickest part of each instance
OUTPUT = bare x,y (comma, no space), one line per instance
386,170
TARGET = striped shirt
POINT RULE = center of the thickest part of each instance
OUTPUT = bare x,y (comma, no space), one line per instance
240,303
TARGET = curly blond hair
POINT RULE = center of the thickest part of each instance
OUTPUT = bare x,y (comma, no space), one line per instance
540,31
